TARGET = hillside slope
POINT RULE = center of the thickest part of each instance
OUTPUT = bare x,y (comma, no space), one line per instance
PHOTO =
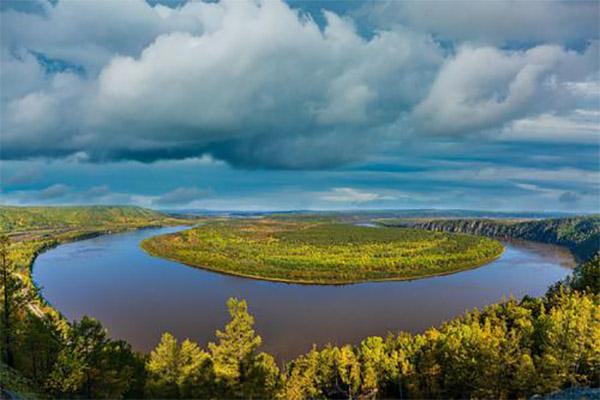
16,219
580,234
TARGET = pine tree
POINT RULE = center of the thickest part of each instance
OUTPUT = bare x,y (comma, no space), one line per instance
239,370
163,369
14,300
178,371
91,365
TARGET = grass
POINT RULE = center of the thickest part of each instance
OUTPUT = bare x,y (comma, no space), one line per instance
322,252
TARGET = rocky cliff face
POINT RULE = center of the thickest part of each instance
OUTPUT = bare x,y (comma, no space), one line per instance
581,234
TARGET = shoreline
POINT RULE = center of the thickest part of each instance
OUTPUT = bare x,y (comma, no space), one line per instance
39,304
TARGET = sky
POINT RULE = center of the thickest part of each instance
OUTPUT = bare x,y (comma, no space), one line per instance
273,105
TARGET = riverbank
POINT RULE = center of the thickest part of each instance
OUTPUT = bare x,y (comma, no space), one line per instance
580,235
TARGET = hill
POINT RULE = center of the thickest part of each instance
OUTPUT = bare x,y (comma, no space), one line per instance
580,234
15,219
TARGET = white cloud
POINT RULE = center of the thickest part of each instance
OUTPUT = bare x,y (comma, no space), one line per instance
509,173
53,192
91,32
579,126
350,195
258,84
494,21
483,87
61,194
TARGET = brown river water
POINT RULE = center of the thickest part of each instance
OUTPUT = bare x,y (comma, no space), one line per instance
138,297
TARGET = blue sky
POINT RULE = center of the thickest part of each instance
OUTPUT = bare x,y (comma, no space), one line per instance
301,105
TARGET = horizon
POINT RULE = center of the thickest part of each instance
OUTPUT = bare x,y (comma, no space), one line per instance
199,211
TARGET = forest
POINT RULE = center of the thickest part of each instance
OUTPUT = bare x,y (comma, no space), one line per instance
513,349
322,252
579,234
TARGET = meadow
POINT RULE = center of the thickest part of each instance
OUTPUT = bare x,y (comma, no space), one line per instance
320,252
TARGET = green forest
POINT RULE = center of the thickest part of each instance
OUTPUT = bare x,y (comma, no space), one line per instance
579,234
16,219
513,349
322,252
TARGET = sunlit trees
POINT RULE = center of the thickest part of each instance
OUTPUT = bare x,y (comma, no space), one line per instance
233,368
178,371
317,252
568,342
508,350
240,371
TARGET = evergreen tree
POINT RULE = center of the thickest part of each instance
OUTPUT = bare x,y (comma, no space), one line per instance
178,371
39,343
14,300
239,370
90,365
163,369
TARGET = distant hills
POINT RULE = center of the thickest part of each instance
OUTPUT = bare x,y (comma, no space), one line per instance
14,219
409,213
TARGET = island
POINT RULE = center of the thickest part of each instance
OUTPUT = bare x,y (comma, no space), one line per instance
322,252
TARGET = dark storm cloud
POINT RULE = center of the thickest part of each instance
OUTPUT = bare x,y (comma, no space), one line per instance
568,198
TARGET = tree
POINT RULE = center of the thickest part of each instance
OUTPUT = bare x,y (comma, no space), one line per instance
39,343
162,367
239,370
587,276
568,342
14,299
178,371
92,365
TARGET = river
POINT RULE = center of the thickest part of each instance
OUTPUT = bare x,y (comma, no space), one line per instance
138,297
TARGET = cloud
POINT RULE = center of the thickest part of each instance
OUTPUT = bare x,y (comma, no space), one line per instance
24,177
350,195
493,21
510,173
97,191
569,198
581,126
62,194
181,196
53,192
536,188
90,33
483,87
258,84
